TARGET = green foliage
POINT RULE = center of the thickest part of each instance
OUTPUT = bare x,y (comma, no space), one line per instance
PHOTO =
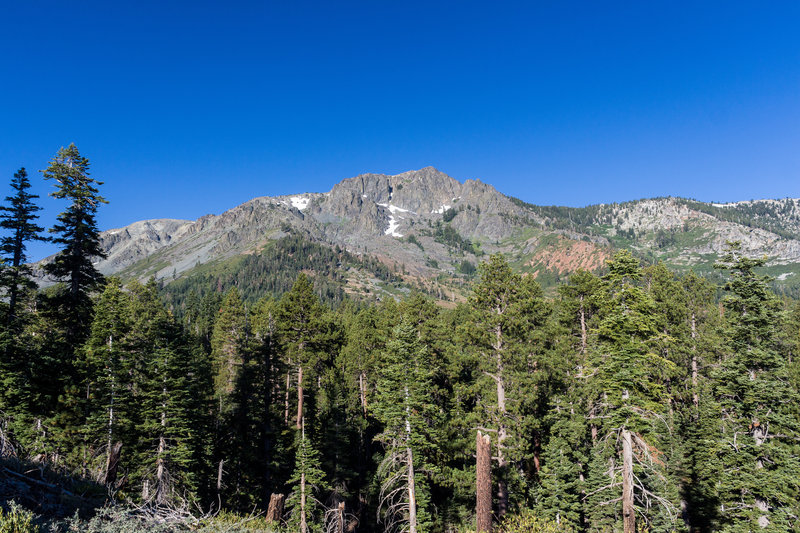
413,240
529,522
76,231
244,395
307,481
19,219
467,268
17,520
272,272
447,235
758,430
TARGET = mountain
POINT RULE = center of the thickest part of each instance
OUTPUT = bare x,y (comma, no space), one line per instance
430,231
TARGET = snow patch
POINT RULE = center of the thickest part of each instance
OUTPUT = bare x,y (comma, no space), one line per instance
785,275
441,210
394,209
299,202
392,229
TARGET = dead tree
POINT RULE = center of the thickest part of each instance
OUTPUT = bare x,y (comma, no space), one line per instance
275,509
628,512
112,463
483,484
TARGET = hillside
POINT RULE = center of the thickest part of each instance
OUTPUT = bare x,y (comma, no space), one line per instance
429,231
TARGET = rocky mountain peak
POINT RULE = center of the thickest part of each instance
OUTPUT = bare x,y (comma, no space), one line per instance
426,222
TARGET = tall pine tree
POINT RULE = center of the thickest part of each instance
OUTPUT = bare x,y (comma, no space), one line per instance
77,234
19,219
757,444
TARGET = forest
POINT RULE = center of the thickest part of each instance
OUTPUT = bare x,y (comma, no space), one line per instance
635,399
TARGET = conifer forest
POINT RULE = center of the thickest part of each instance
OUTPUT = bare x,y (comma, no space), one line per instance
630,399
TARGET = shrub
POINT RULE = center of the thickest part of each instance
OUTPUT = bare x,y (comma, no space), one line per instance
528,522
17,520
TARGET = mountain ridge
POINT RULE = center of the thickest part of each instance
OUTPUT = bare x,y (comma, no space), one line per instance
429,227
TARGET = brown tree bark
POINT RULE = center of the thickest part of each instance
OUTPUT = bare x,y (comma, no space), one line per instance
340,518
502,432
299,396
362,392
112,463
483,482
584,335
286,398
628,512
275,509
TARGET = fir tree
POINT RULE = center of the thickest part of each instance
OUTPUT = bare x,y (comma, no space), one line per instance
77,233
508,311
108,372
404,408
306,334
757,444
307,479
18,218
628,406
230,345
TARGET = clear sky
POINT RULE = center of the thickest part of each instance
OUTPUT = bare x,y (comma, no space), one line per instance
191,108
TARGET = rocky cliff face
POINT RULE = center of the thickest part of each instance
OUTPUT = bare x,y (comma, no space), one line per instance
425,223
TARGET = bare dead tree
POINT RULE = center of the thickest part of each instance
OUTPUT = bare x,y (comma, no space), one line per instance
397,499
483,484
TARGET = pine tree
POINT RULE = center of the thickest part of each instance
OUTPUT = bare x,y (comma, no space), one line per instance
757,444
307,479
228,346
508,311
404,408
562,489
629,406
174,402
107,369
265,407
18,218
78,235
16,402
230,354
306,334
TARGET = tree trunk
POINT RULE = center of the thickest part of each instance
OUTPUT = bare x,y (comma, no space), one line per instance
303,523
628,512
483,484
760,435
219,479
502,432
340,518
286,397
112,391
112,463
584,335
695,394
275,509
299,396
412,494
362,392
161,489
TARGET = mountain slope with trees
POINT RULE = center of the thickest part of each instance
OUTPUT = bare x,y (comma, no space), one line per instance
431,231
633,399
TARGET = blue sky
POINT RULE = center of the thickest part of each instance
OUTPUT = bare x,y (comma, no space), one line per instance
191,108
